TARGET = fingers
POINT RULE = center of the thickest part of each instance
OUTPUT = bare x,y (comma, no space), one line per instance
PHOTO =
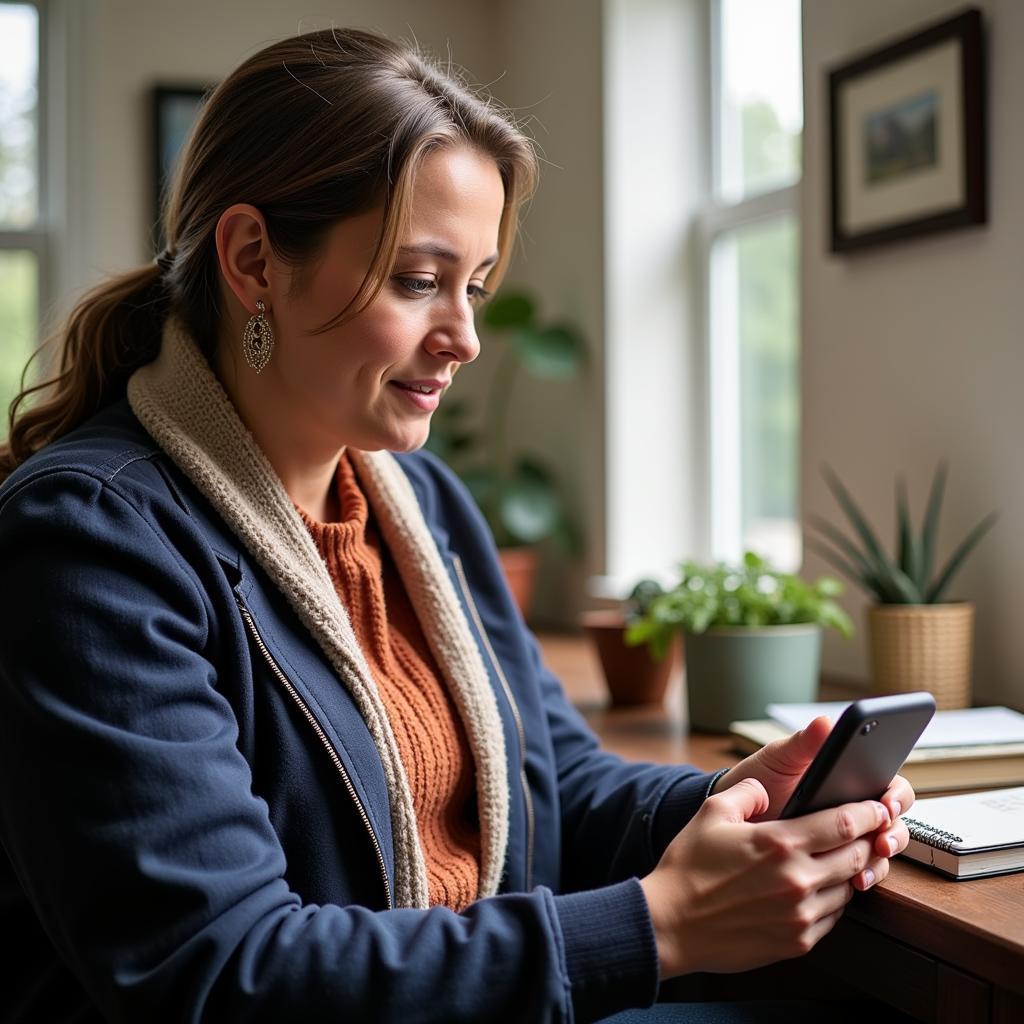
815,917
839,826
893,840
747,799
898,797
794,753
819,930
872,874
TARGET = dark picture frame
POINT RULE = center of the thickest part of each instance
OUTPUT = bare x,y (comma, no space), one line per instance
907,137
174,109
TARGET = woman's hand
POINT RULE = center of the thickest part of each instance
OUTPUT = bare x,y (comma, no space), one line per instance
779,765
732,893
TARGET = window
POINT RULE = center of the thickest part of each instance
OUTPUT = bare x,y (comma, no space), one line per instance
22,239
750,246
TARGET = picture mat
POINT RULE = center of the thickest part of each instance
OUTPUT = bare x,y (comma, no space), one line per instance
921,193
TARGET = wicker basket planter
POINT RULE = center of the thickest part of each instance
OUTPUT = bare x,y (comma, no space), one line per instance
923,647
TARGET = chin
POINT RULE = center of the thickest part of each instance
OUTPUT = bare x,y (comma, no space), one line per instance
399,442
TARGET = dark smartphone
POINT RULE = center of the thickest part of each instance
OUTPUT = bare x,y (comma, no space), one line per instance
865,749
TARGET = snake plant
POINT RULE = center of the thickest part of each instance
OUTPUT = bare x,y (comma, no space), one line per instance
910,577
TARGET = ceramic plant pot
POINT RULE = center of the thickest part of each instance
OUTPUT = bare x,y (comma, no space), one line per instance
734,672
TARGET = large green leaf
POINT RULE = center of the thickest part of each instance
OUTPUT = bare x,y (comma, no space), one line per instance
554,352
511,310
853,513
528,508
929,532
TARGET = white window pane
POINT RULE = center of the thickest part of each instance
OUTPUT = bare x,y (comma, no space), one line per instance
755,392
760,108
19,275
19,54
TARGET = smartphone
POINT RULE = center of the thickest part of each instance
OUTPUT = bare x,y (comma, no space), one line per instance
863,753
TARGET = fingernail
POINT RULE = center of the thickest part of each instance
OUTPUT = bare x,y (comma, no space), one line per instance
897,808
893,844
869,877
883,812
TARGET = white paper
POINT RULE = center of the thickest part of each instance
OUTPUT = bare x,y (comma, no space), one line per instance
968,727
992,818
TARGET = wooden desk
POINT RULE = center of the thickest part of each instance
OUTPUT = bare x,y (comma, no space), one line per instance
944,952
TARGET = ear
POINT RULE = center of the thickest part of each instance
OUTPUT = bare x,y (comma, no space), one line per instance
244,254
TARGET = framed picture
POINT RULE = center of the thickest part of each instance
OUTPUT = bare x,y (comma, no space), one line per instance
907,137
174,112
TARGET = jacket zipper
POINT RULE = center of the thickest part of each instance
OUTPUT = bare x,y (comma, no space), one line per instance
471,604
322,736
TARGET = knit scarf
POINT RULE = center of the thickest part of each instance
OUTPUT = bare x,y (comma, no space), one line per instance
183,406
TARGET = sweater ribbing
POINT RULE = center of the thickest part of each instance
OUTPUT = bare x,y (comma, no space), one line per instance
431,739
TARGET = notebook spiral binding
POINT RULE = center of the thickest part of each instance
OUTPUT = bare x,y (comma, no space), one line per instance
925,833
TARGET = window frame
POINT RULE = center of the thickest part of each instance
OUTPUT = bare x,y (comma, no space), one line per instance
718,218
37,239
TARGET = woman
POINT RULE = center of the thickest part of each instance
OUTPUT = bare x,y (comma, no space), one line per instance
275,744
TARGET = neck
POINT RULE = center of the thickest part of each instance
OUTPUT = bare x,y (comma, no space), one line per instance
305,467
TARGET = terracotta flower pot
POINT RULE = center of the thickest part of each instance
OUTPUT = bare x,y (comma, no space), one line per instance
632,676
520,567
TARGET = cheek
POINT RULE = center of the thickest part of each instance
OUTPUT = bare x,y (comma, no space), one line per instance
382,336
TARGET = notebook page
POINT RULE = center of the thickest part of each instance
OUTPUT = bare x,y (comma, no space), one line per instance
966,727
991,818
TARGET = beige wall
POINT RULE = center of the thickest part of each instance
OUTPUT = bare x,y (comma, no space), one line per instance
912,352
126,46
549,59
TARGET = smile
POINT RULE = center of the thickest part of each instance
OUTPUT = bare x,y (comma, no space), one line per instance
425,396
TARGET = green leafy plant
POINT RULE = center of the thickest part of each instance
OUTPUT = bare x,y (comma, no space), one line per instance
752,594
518,494
910,577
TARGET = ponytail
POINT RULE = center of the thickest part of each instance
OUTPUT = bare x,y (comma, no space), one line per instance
114,329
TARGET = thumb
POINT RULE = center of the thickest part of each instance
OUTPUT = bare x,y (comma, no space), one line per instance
746,800
795,753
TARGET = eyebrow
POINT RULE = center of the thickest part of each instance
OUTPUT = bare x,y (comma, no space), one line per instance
435,249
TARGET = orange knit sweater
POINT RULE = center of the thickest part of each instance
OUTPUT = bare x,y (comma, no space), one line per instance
430,736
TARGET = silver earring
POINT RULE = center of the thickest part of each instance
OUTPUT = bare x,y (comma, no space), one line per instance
258,338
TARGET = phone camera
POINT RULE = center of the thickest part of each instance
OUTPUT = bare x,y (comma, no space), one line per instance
868,726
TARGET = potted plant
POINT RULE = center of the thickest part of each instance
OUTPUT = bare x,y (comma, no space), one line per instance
517,493
919,640
752,636
632,674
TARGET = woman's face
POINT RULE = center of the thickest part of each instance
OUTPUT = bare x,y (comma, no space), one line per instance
374,381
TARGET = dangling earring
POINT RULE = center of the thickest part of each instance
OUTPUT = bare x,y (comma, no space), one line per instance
258,338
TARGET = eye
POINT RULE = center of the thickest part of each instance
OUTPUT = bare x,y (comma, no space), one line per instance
477,294
417,285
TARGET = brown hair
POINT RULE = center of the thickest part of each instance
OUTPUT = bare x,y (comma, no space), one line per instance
310,130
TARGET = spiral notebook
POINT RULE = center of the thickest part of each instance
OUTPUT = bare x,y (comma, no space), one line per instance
969,836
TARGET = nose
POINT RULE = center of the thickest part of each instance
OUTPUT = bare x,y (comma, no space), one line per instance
455,338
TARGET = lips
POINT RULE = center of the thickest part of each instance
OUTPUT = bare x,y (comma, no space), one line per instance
425,395
424,387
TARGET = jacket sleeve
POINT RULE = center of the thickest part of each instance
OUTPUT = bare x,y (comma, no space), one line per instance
128,815
618,816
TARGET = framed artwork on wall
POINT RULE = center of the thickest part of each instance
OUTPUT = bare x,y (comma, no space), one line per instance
908,138
174,112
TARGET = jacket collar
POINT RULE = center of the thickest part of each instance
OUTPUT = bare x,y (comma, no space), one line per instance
181,403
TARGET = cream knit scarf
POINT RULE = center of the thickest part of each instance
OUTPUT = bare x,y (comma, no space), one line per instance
182,405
